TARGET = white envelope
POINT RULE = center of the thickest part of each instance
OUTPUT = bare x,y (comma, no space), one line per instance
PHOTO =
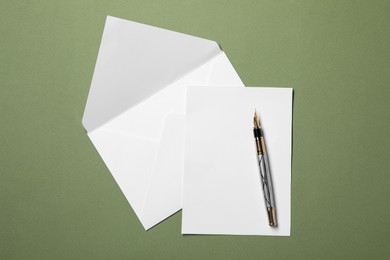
136,105
222,186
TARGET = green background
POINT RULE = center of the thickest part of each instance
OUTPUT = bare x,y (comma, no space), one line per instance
59,201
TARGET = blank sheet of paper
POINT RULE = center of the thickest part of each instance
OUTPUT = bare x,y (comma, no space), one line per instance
222,192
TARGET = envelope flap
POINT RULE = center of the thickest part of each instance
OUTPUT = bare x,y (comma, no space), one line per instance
134,62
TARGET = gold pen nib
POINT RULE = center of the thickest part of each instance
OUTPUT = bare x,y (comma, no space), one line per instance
256,120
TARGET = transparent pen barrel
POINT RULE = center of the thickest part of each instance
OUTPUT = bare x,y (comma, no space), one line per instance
266,181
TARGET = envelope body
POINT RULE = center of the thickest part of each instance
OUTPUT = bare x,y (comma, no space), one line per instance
135,112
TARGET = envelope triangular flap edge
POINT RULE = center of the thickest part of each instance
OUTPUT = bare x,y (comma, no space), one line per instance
136,61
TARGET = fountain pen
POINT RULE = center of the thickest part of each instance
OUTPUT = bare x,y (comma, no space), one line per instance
265,172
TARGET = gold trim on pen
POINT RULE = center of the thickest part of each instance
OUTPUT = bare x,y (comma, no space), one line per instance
271,217
262,143
256,121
